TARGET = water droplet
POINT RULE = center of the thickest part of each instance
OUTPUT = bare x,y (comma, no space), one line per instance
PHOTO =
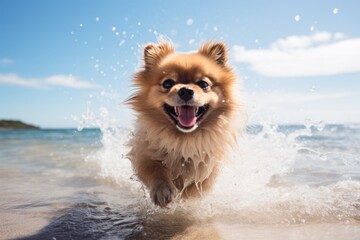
113,29
121,42
312,28
323,157
297,18
257,41
191,41
72,33
335,11
308,123
215,28
313,88
104,112
320,125
117,33
81,25
189,22
97,19
139,23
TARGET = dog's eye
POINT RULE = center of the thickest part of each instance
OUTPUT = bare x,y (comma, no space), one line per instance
168,83
202,84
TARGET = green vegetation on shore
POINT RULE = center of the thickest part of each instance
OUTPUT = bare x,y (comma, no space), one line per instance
14,124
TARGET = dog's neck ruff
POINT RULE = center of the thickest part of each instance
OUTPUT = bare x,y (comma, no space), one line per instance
195,143
189,130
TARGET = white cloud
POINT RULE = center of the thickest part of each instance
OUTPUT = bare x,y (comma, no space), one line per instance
13,79
69,81
6,61
318,54
55,80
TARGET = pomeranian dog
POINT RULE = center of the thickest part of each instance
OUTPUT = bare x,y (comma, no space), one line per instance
185,109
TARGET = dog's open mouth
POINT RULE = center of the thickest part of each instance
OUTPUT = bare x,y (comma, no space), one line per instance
186,117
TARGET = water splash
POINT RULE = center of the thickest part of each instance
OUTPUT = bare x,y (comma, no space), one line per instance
266,180
258,185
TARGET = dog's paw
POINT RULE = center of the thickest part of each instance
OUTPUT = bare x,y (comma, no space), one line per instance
163,193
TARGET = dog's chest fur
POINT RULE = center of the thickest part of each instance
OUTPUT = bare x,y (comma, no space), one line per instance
192,157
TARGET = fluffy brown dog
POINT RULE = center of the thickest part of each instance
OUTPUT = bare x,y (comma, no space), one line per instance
185,109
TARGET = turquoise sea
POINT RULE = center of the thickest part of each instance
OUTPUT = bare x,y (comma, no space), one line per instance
283,182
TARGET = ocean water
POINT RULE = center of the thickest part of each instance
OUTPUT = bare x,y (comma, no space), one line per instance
283,182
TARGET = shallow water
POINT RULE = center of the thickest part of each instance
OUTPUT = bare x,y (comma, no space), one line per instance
283,182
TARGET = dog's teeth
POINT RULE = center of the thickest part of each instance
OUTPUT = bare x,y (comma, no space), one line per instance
196,110
176,111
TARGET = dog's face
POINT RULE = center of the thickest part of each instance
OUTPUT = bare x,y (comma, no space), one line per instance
185,91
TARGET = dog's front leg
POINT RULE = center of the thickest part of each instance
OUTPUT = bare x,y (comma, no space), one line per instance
157,178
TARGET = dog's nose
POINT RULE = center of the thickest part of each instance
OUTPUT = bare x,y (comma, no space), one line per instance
186,93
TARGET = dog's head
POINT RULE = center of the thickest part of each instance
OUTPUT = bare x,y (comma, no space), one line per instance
185,91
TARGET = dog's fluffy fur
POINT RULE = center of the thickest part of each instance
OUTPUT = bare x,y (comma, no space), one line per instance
184,127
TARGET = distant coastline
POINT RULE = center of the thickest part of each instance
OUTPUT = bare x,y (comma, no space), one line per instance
15,124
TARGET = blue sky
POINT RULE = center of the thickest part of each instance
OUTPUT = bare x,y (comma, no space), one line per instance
62,60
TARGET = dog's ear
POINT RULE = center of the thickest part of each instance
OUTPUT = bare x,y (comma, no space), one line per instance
153,53
217,51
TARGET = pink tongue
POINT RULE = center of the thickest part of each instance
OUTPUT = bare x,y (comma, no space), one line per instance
186,116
